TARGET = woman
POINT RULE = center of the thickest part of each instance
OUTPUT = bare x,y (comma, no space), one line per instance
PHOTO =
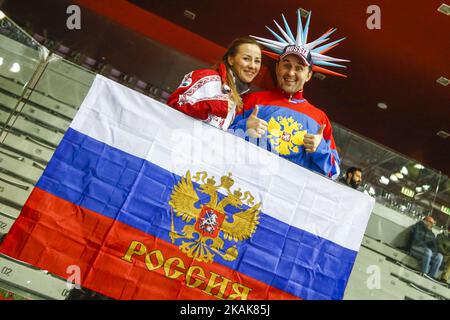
214,95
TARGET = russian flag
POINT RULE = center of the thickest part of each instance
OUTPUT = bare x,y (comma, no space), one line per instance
149,203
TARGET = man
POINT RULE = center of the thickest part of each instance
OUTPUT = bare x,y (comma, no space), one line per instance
443,243
283,119
424,247
352,178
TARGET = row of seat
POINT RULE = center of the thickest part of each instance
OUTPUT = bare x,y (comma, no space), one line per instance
38,282
26,150
391,252
34,115
398,278
9,292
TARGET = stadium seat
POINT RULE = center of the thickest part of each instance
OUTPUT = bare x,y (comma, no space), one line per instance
36,281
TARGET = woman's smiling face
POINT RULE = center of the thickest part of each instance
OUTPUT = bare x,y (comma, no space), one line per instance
247,62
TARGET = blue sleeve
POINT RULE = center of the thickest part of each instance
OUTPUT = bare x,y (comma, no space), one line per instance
239,126
326,160
417,235
239,123
435,246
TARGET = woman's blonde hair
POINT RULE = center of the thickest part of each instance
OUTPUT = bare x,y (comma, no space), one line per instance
231,52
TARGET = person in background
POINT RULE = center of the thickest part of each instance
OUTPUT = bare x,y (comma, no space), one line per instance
352,178
443,244
214,95
424,247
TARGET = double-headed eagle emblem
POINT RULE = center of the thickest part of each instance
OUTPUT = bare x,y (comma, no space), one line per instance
285,135
212,216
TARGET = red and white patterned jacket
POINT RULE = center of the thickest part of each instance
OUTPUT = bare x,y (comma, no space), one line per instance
205,95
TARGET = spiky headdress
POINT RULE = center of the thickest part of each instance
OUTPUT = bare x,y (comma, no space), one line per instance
310,52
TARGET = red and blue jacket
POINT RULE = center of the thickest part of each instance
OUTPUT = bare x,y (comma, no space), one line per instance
289,118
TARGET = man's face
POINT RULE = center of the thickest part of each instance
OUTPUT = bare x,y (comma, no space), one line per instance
429,224
292,74
355,179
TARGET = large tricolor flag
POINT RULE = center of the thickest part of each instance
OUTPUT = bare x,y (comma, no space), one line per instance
151,204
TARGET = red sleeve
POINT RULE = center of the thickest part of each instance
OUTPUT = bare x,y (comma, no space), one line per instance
328,133
200,94
249,101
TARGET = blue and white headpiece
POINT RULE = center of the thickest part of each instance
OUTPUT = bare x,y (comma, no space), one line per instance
310,53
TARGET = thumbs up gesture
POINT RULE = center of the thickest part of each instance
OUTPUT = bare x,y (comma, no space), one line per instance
256,127
312,141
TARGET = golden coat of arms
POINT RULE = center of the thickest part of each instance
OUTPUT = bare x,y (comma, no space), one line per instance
285,134
212,220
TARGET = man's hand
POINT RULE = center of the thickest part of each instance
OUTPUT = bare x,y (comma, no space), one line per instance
256,127
312,141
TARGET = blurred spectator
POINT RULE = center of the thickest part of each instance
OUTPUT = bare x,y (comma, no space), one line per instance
443,243
352,178
424,246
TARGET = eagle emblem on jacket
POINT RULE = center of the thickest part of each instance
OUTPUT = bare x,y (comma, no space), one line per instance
285,135
213,214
